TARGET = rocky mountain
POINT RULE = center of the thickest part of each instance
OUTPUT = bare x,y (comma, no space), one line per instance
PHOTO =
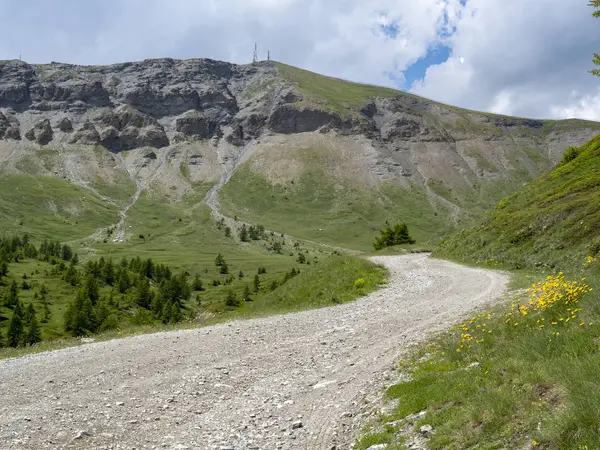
170,125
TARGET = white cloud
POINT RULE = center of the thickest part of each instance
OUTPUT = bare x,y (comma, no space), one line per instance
587,106
336,37
520,57
523,56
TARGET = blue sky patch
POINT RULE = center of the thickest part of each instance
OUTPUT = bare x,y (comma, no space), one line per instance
391,30
416,72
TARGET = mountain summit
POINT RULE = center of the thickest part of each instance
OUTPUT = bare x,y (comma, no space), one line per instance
348,152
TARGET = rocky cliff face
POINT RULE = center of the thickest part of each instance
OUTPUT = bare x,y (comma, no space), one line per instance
208,117
148,104
156,103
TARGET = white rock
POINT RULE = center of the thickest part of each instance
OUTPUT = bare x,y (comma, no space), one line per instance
427,431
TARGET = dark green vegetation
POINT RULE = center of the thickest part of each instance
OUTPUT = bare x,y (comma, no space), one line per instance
46,293
552,222
393,236
506,381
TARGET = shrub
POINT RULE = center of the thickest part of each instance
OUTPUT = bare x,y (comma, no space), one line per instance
231,299
393,236
569,155
359,283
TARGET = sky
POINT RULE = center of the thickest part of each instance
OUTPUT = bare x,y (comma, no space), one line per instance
527,58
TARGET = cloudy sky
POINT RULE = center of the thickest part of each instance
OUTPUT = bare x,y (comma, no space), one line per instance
520,57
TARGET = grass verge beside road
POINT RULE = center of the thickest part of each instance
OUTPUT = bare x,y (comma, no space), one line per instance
523,375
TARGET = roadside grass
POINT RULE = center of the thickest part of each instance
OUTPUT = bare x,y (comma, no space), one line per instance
337,279
502,381
318,209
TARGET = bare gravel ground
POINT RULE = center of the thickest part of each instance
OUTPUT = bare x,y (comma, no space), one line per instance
296,381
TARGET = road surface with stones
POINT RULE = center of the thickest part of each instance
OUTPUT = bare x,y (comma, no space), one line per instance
295,381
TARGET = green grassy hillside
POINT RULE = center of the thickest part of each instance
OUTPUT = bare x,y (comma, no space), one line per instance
51,207
553,221
335,94
317,208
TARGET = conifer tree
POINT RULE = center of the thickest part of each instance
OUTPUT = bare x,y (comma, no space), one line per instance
197,284
219,261
92,290
13,295
15,327
166,311
33,334
29,313
123,282
47,313
231,299
244,233
143,295
3,269
224,269
241,275
246,296
256,283
175,316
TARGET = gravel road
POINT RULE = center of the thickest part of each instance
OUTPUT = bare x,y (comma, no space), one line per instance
296,381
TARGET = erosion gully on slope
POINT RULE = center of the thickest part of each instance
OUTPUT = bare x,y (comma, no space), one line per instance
295,381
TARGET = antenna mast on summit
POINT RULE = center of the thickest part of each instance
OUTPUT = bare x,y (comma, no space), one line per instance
255,59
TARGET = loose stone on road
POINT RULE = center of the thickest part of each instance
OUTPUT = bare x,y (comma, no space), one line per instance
295,381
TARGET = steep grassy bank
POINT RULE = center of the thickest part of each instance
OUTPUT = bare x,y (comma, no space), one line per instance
520,376
553,221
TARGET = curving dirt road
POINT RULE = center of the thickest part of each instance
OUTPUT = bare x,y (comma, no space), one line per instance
297,381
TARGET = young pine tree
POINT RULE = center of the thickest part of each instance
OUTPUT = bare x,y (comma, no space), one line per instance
246,296
13,295
244,233
224,269
33,335
29,313
197,284
219,260
15,327
143,295
3,269
256,283
92,290
47,313
231,299
176,315
157,305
